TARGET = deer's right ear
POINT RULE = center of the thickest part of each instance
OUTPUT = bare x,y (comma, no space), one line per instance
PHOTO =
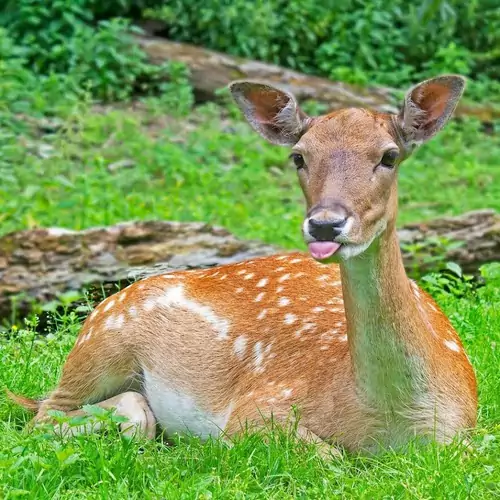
273,113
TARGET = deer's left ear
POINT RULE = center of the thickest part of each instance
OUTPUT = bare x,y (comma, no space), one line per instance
428,106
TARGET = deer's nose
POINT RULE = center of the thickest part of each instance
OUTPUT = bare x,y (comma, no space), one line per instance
326,230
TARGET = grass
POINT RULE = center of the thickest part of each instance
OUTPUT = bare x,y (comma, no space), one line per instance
40,465
210,168
213,168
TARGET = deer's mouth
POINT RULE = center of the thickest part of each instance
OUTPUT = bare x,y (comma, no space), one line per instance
321,250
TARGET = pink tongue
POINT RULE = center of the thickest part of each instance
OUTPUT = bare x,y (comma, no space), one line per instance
323,249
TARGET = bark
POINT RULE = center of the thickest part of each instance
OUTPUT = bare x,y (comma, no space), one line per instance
38,265
211,71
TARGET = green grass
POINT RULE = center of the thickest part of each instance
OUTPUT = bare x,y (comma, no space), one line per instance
213,168
40,465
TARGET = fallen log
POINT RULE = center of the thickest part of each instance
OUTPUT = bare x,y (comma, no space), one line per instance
38,265
211,71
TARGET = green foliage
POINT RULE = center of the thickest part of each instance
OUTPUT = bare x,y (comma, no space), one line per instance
268,465
388,42
58,37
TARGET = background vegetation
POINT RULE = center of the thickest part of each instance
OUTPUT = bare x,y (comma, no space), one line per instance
390,42
92,134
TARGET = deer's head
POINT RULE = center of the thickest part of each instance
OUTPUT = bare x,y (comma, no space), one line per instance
348,161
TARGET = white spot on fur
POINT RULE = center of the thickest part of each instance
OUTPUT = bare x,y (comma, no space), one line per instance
240,346
86,336
260,297
283,301
287,393
290,318
169,276
93,314
223,277
452,345
178,412
242,271
175,297
109,305
299,275
249,276
239,290
433,307
262,283
114,322
318,309
295,261
279,269
262,314
323,277
282,257
132,312
305,328
324,348
141,286
122,296
258,356
279,289
284,278
343,338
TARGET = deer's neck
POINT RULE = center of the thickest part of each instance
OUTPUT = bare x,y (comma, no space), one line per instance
385,326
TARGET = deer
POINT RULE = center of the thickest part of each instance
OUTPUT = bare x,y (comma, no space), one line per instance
339,333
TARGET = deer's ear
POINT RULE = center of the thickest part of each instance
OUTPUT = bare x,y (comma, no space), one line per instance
272,112
428,106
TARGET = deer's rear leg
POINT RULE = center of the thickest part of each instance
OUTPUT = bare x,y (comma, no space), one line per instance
131,405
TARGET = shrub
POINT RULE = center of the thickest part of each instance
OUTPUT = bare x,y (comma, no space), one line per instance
390,42
66,36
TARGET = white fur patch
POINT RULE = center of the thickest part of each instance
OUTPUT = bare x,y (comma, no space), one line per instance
262,283
258,356
452,345
175,297
178,412
283,301
240,346
114,322
249,276
290,318
259,297
109,305
284,278
262,314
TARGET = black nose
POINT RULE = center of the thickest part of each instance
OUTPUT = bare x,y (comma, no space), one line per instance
325,230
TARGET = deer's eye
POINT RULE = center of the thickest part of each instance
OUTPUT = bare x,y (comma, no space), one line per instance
298,160
390,158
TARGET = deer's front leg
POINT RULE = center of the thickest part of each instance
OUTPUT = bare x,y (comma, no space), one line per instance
325,450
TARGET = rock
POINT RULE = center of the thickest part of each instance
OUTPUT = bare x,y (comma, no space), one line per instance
212,71
41,264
